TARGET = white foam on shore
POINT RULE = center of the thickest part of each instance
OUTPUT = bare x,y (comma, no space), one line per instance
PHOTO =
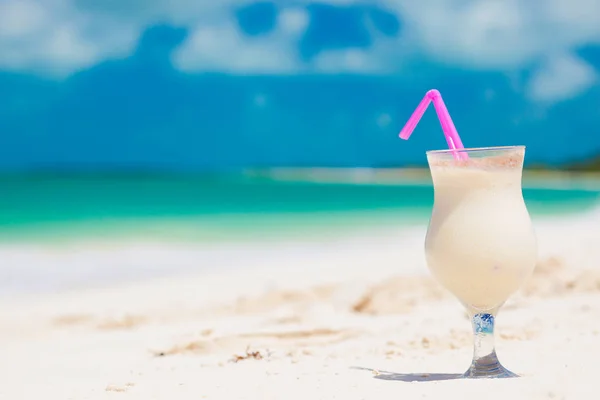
33,268
39,267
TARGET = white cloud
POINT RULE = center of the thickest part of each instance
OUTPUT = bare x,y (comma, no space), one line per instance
21,18
562,77
293,21
348,60
219,45
498,34
51,37
224,48
356,61
62,36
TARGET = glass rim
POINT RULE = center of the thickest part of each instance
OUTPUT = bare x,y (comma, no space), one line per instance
475,149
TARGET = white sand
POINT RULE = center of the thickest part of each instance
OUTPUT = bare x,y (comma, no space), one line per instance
354,319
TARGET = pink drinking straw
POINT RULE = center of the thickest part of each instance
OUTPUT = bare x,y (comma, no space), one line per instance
452,138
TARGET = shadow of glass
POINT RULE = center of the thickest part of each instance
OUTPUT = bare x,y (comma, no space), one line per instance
390,376
413,377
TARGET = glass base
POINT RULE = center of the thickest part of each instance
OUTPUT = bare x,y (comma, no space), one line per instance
488,367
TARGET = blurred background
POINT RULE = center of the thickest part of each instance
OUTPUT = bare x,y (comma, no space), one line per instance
143,138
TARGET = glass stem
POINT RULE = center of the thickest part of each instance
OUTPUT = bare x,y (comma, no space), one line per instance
483,331
485,363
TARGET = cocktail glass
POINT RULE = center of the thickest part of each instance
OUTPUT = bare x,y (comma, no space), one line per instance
480,242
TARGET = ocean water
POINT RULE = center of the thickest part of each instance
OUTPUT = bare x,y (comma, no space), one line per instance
59,233
197,209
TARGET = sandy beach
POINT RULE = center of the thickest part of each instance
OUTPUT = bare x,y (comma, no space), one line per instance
354,318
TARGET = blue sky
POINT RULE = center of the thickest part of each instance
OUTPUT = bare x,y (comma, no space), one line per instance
116,82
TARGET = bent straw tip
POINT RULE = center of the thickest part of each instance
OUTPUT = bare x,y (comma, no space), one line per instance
433,93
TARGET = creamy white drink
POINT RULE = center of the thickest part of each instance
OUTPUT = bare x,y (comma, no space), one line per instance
480,243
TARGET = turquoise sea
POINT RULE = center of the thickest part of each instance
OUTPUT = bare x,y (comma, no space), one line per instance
216,208
72,232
